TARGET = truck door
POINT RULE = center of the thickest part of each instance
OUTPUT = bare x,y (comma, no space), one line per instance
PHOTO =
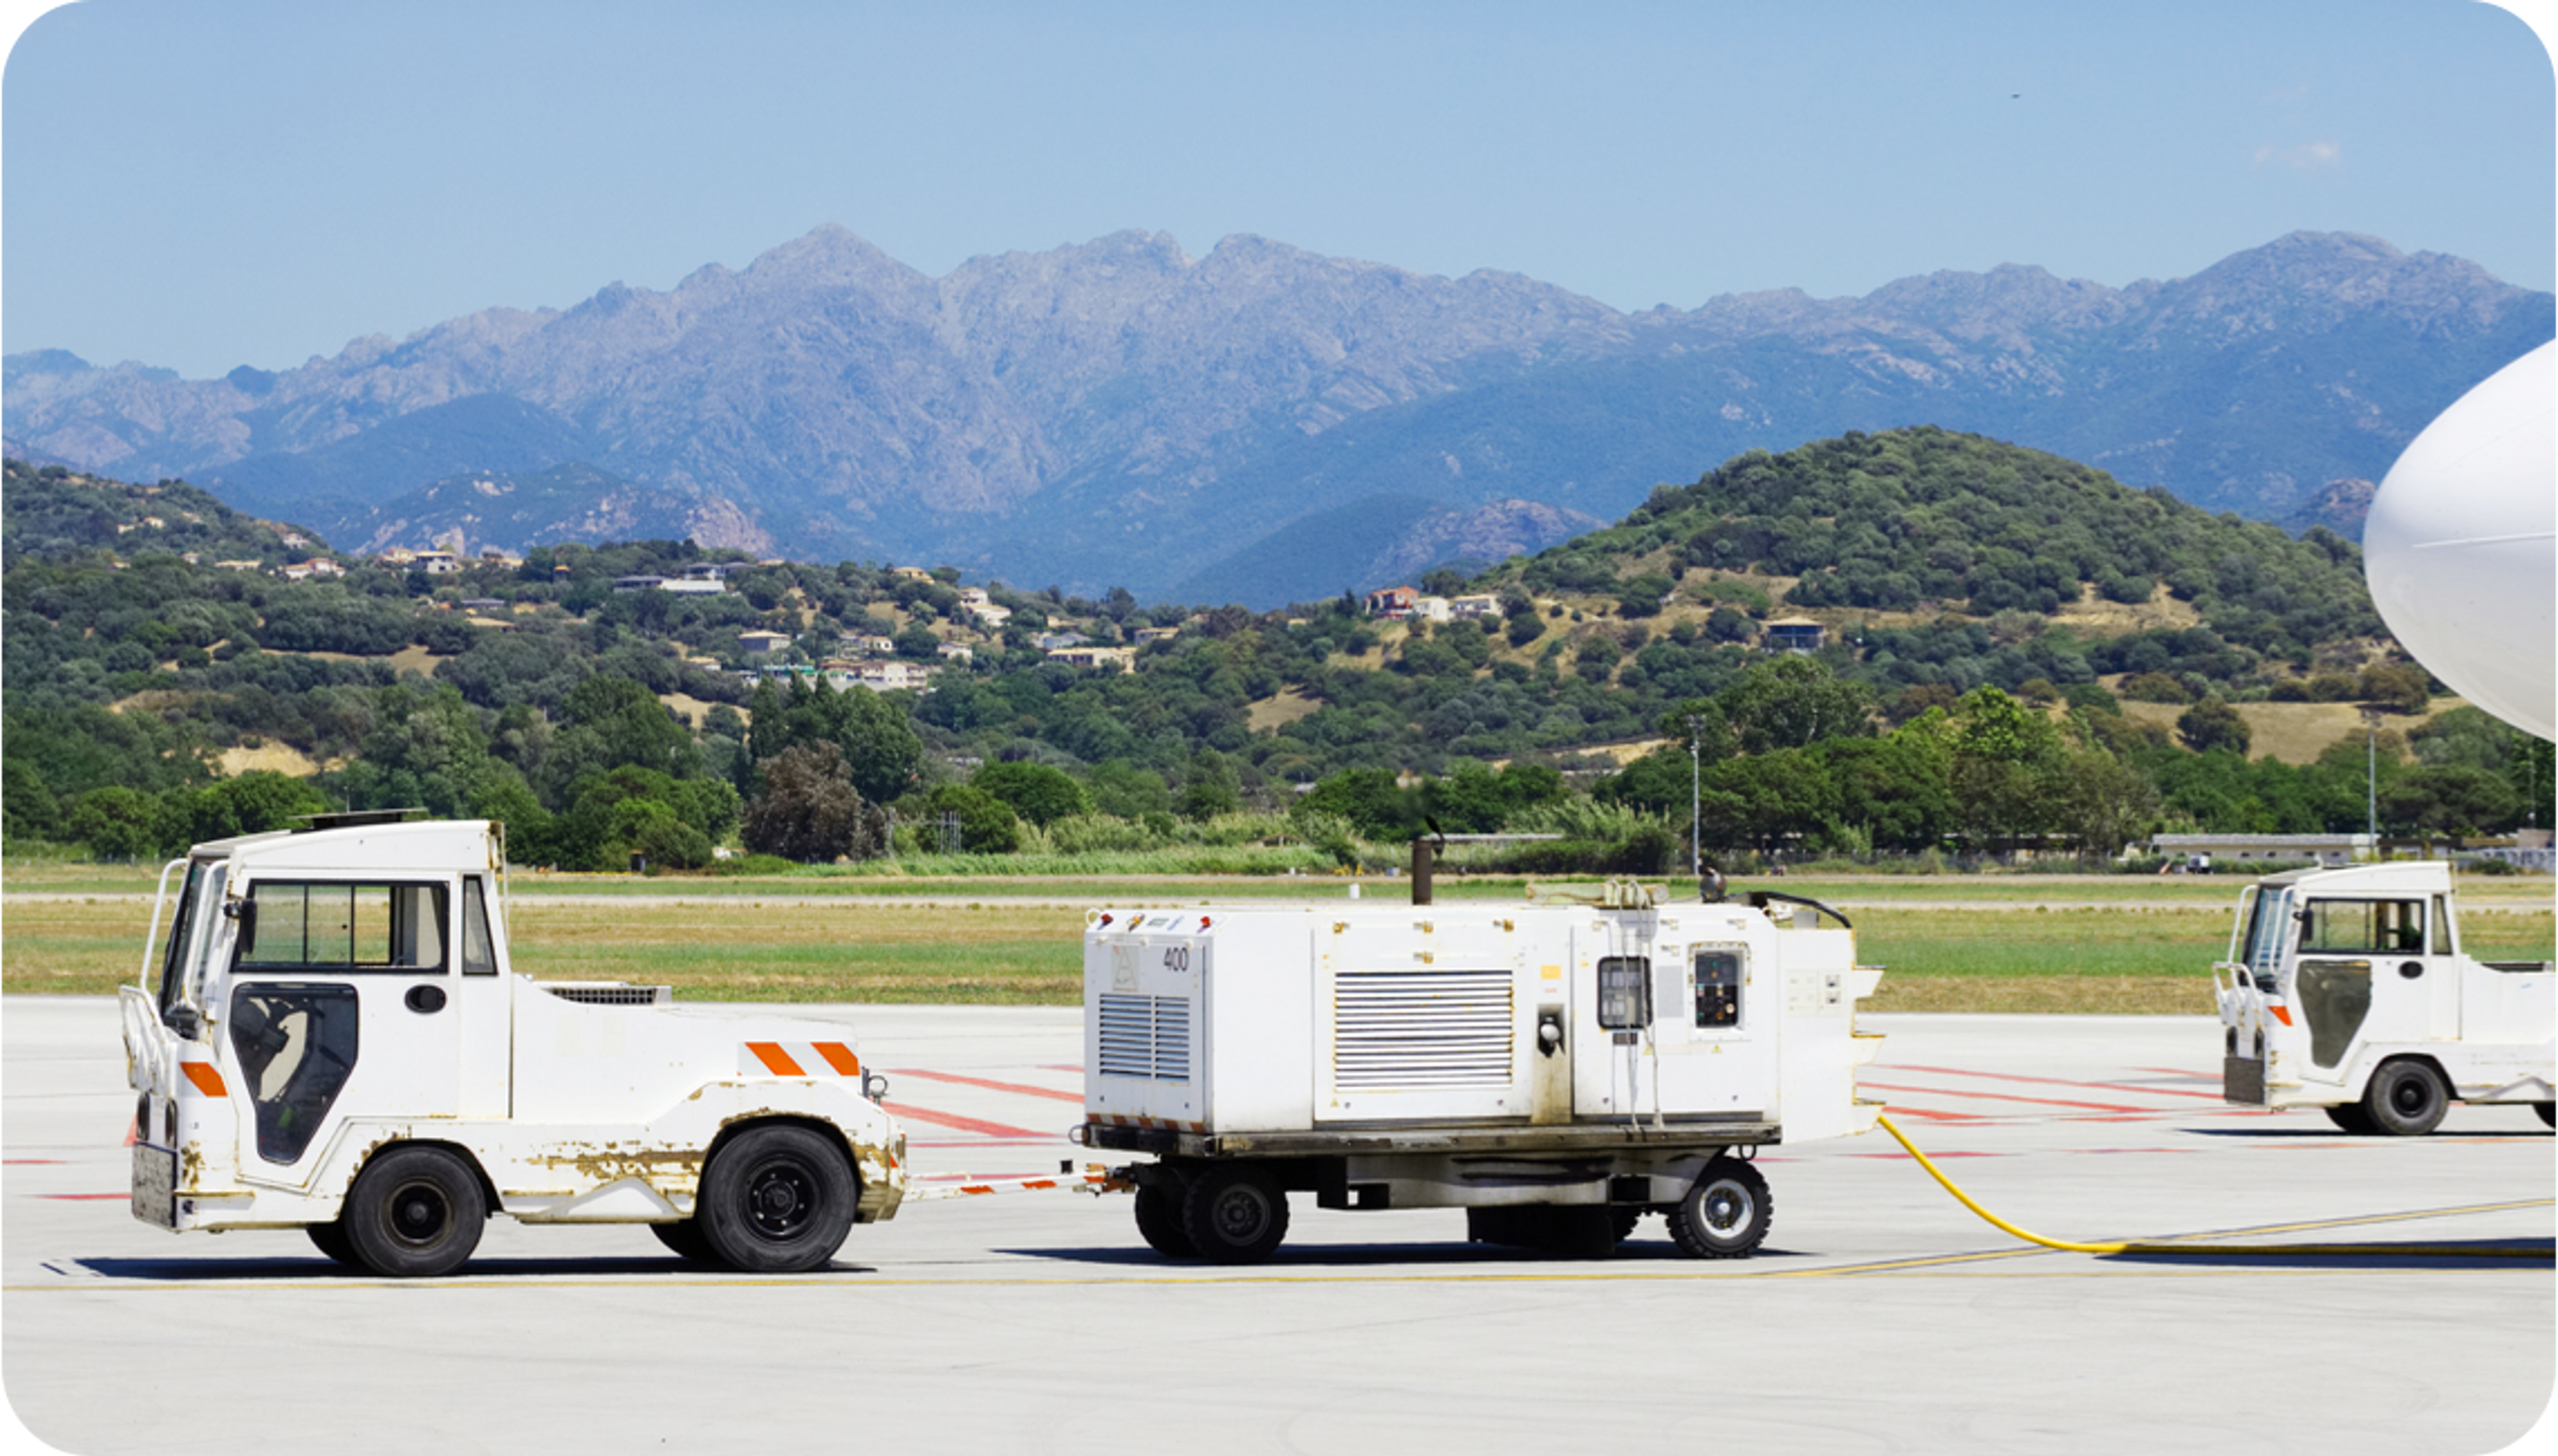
2365,971
341,1004
1613,995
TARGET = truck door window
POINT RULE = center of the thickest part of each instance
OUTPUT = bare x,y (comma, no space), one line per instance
191,938
338,925
2364,927
2268,916
478,957
1718,988
295,1044
2443,937
1625,992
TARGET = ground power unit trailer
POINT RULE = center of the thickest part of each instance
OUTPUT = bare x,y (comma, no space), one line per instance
2349,990
1556,1068
333,1040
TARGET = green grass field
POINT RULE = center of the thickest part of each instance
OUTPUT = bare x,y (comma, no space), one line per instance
1956,956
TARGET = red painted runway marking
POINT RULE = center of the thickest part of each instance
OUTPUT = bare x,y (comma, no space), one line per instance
1948,1091
26,1162
2165,1092
1022,1089
133,1133
2180,1071
1074,1066
1933,1157
956,1122
85,1196
1938,1117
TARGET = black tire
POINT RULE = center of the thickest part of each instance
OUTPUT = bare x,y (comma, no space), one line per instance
1623,1218
1724,1213
1578,1231
331,1238
415,1213
1159,1220
2406,1098
683,1238
1234,1214
777,1199
2351,1118
2548,1113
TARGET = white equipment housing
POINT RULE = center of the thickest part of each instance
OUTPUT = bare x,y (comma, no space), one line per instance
1528,1057
339,1001
2348,990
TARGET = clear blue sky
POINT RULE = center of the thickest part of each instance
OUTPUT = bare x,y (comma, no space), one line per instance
199,183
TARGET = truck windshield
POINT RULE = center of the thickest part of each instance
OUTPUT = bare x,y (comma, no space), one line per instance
2269,913
190,937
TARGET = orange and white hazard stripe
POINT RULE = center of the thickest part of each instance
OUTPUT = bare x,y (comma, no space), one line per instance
1093,1179
1166,1124
797,1059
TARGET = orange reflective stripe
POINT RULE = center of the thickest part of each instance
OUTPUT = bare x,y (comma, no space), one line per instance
775,1060
841,1058
207,1080
2281,1013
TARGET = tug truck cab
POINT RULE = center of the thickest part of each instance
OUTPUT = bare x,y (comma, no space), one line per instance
1557,1069
332,1037
2349,990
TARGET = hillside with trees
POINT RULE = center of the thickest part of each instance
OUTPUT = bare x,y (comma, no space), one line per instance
1988,617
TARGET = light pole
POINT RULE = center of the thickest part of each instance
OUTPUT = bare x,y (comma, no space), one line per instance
2371,777
1696,797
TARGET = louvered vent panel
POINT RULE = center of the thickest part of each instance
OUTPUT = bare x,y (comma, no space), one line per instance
1421,1029
1146,1036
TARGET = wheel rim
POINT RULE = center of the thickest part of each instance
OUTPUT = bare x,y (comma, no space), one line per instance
419,1213
1726,1207
1241,1215
781,1199
2410,1097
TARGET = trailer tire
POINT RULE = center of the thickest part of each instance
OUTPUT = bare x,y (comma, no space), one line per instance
777,1199
683,1238
416,1211
2351,1118
1622,1218
1724,1213
1159,1220
1234,1214
331,1238
2405,1098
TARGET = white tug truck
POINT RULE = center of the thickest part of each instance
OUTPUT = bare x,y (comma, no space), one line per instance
2347,991
334,1040
1558,1070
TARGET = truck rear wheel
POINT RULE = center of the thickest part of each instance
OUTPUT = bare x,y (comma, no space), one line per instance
414,1213
2351,1118
1159,1220
1724,1213
2406,1098
778,1198
1234,1214
2548,1113
683,1238
331,1238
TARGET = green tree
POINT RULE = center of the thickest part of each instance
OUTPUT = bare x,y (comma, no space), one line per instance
987,825
1794,701
1040,792
2212,724
810,809
116,823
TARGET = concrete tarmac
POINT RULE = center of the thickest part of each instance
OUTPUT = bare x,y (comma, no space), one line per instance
1881,1316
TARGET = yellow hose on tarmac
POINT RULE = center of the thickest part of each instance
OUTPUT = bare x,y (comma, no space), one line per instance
2429,1251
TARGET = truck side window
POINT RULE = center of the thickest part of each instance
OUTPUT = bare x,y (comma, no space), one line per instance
338,925
478,957
2363,927
1625,992
1718,988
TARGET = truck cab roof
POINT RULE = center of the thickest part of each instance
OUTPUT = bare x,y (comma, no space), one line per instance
430,846
2409,877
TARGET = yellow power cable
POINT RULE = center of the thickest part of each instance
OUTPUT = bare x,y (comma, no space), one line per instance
2435,1250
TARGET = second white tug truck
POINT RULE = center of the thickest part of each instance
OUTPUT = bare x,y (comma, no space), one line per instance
2349,990
1557,1069
334,1040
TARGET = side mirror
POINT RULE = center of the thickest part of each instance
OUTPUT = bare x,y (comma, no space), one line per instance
243,911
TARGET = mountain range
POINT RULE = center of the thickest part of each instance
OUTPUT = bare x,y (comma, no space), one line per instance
1264,424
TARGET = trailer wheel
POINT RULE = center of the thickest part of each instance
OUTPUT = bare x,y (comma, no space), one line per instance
778,1200
1725,1214
1234,1214
683,1238
331,1238
1159,1221
2351,1118
2406,1098
414,1213
1622,1218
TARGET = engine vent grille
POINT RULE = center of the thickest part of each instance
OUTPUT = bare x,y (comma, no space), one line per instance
601,993
1422,1029
1146,1036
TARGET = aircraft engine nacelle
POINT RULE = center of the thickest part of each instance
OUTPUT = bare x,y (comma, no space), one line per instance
2458,549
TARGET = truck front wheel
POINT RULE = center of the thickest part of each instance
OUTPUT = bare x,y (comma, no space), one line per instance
777,1200
2406,1098
1234,1214
1724,1215
414,1213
